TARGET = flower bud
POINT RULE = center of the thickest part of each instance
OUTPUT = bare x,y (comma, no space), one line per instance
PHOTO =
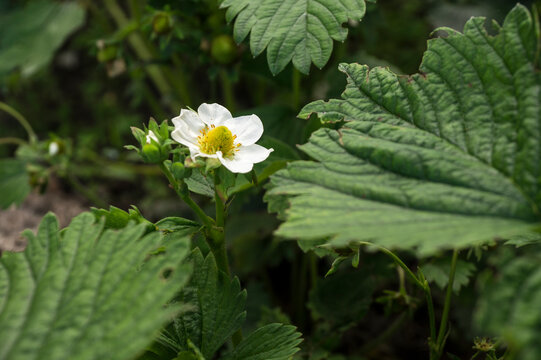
151,153
178,170
161,23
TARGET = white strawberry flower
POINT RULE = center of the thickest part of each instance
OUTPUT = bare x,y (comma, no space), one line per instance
213,132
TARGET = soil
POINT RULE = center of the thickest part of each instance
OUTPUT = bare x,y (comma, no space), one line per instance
29,214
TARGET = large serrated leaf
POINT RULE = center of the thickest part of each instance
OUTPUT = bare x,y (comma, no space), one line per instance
29,36
87,293
301,31
509,306
217,309
443,159
270,342
14,182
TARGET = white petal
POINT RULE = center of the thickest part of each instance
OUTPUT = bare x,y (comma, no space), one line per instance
234,165
202,154
247,128
151,136
244,159
185,137
187,128
213,114
189,119
53,148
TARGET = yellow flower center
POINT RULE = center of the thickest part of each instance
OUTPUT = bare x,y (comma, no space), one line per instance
217,139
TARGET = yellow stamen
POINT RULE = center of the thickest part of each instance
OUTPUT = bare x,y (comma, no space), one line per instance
218,139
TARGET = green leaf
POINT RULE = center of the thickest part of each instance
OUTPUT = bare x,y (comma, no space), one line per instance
301,31
200,184
277,160
270,342
509,306
217,309
177,226
528,238
438,272
14,182
116,218
86,293
29,36
448,158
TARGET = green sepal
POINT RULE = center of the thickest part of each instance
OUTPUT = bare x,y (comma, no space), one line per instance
151,154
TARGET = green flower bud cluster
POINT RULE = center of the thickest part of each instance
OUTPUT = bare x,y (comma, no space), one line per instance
154,141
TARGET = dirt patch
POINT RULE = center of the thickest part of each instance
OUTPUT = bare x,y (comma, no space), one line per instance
28,216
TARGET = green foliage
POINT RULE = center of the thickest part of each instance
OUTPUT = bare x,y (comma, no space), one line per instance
217,309
447,158
301,31
438,272
270,342
14,182
29,36
509,306
177,226
86,293
116,218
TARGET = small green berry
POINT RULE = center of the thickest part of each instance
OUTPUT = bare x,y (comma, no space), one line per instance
223,49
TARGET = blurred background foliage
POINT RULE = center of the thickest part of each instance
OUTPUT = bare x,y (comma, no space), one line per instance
83,72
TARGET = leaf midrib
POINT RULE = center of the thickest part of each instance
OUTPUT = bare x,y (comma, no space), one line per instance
535,209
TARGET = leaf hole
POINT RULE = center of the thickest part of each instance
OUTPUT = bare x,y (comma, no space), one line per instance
166,273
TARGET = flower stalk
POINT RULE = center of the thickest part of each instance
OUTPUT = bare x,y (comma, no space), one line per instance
442,335
182,192
21,119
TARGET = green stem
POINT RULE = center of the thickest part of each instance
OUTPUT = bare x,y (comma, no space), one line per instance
423,284
431,320
12,140
184,195
21,119
440,343
398,261
220,210
218,246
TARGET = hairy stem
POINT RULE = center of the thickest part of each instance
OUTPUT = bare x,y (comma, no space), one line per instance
21,119
423,284
184,195
398,261
440,343
218,246
431,320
